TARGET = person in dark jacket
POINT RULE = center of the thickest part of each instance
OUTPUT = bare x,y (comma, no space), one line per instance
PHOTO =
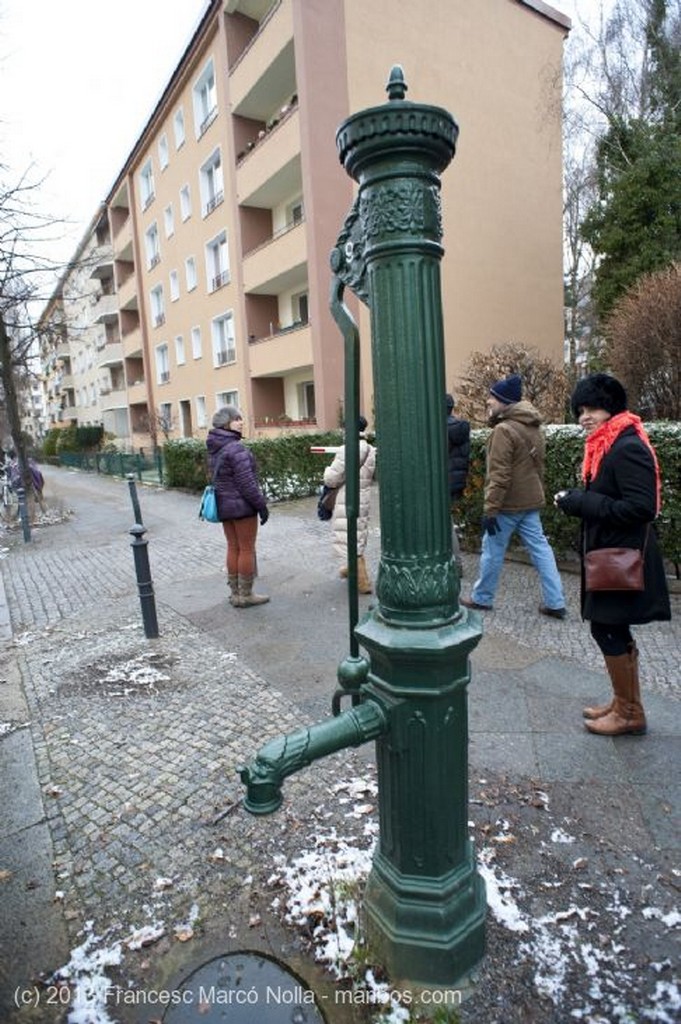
240,501
619,502
458,450
458,459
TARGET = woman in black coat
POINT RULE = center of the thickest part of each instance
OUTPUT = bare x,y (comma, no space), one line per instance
620,500
240,501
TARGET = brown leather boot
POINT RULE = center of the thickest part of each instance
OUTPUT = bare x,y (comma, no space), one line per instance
246,595
363,581
234,598
626,715
599,710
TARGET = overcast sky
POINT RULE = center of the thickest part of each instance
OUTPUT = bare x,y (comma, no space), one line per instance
78,81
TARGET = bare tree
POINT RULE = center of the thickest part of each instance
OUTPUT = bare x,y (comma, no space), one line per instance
644,344
25,272
544,384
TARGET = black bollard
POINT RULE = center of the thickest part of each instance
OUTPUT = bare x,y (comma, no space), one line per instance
137,512
144,583
23,514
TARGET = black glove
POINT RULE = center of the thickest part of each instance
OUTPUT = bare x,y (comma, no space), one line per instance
490,525
264,515
570,501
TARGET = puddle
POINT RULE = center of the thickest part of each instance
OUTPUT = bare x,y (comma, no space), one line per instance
242,988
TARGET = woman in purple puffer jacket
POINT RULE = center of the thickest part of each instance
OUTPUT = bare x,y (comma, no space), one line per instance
240,501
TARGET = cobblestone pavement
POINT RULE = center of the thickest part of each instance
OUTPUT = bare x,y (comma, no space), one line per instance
137,742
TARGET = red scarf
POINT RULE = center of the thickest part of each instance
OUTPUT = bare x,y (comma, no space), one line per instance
601,440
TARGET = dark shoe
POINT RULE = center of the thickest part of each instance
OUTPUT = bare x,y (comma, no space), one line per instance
553,613
475,606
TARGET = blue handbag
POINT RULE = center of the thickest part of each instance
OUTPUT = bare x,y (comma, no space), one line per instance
208,510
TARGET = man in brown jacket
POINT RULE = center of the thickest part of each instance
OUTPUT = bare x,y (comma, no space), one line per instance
514,493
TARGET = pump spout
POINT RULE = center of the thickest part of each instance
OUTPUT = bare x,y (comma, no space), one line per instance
285,755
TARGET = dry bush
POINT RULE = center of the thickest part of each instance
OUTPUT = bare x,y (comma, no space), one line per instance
545,385
644,344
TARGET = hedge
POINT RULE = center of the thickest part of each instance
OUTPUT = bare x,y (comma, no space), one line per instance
286,466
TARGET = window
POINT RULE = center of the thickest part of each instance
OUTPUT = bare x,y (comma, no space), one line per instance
295,212
306,400
224,398
147,193
152,246
163,151
299,307
190,273
174,286
178,127
93,394
185,203
158,309
165,417
179,350
217,262
196,342
169,220
205,100
224,344
201,411
211,183
162,364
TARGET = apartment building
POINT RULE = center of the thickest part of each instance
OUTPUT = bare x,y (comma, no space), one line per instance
223,216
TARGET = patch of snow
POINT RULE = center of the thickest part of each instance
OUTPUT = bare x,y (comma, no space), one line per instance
559,836
89,984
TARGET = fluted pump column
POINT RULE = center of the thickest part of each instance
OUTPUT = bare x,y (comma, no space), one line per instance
396,152
425,903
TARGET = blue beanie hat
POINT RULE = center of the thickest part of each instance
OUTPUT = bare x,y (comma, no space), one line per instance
508,390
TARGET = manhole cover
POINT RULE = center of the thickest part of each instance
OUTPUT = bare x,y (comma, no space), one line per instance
243,988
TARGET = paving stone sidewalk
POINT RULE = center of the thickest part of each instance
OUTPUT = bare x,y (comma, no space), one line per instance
133,817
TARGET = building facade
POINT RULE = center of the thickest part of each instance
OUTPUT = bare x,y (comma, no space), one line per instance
222,218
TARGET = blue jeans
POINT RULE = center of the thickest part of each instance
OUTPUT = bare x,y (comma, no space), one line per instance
528,527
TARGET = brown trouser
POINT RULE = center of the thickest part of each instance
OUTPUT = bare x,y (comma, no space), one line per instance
241,535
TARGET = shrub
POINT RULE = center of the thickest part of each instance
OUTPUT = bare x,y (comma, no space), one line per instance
286,466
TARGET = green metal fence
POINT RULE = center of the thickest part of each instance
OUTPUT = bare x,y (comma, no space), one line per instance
148,468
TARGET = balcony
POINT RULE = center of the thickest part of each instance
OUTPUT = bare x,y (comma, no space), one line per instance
113,399
127,293
102,263
278,265
277,354
106,309
63,350
137,393
271,172
122,242
265,75
111,354
132,343
66,383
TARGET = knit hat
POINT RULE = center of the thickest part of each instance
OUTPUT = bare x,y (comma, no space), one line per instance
362,424
449,401
599,391
508,390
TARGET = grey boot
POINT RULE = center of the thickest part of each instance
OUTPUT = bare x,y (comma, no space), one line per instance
235,597
246,595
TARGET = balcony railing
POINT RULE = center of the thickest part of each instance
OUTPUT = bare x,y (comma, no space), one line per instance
207,121
154,260
220,280
159,319
214,201
164,377
225,356
148,200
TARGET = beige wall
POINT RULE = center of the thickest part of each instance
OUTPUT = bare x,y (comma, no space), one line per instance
495,65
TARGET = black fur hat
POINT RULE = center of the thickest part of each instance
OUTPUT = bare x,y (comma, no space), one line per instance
599,391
